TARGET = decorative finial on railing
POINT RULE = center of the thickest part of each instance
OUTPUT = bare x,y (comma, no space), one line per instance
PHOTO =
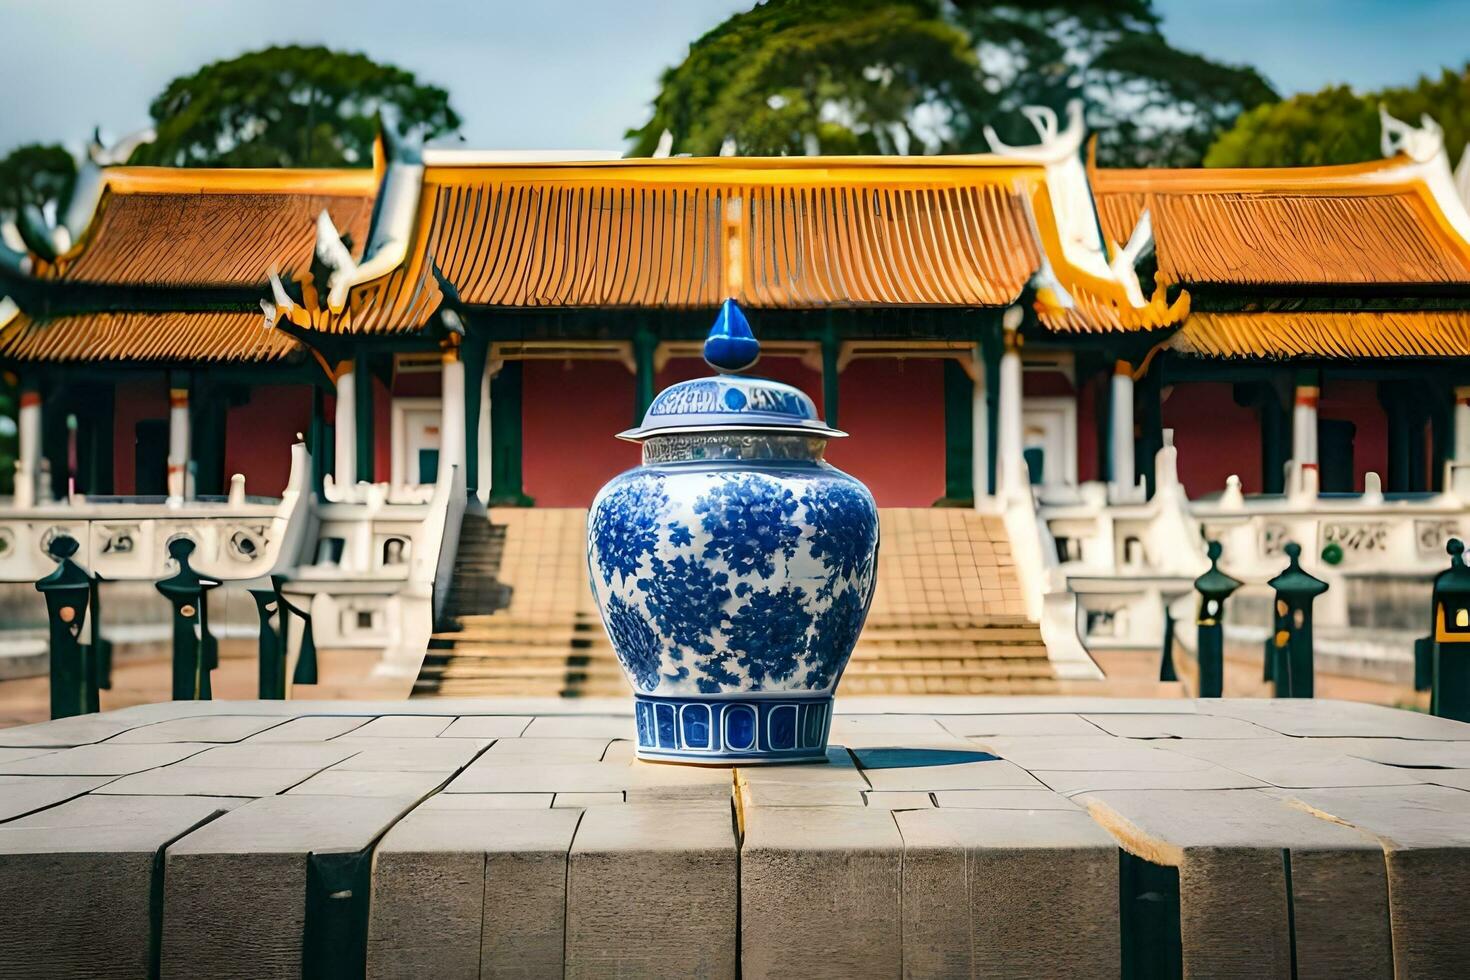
731,347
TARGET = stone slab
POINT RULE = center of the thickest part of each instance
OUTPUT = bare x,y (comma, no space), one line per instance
67,732
484,776
443,755
1004,799
1032,724
401,726
274,755
899,799
499,877
1349,719
652,891
107,759
206,781
1107,753
986,894
312,729
487,726
509,751
1068,782
76,884
582,726
20,795
210,728
836,870
573,800
795,794
1292,762
996,774
414,785
255,928
488,801
1176,726
15,755
1250,865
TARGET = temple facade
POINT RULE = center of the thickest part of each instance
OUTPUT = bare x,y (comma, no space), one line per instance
331,375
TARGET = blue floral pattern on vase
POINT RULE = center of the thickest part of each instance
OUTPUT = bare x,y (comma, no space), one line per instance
749,579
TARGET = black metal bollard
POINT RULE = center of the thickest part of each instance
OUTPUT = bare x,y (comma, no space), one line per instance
68,592
193,653
101,647
272,648
306,665
1296,590
1450,685
1214,587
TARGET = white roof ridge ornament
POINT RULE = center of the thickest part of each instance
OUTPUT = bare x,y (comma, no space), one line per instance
1074,208
665,146
1462,176
1428,161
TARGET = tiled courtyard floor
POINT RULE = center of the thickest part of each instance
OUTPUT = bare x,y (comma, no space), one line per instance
1016,836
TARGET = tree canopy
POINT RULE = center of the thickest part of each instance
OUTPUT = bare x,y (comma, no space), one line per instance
37,174
886,76
1337,125
289,107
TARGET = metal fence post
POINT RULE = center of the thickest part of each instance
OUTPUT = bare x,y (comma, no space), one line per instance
194,654
1296,590
68,591
306,663
1214,587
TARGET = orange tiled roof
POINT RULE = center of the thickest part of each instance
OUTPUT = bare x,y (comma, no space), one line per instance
146,336
1346,225
400,302
222,228
1356,334
796,233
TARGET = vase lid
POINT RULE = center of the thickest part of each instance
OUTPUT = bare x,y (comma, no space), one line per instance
731,401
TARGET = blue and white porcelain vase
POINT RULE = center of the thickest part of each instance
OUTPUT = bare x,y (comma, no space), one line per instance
734,568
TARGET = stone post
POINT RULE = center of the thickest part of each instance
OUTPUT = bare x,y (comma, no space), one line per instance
28,468
1304,429
979,427
451,413
1010,461
180,480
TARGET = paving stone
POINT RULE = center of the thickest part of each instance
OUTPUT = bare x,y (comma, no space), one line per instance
839,770
207,781
834,870
402,726
1038,724
899,800
317,728
488,801
1116,754
1177,726
1425,835
941,741
620,750
569,800
20,795
66,732
1293,762
273,755
1350,719
1233,882
210,728
76,883
692,793
997,773
15,755
987,894
255,927
1400,751
511,751
484,776
795,794
413,785
844,725
487,726
496,880
107,759
443,755
581,726
1004,799
1069,783
652,891
1457,778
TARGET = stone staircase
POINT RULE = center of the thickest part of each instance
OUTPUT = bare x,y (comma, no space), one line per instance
947,618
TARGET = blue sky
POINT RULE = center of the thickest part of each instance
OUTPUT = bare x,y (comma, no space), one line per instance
577,73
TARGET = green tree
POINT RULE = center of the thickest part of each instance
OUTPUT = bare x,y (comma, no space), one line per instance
885,76
36,174
1337,125
289,107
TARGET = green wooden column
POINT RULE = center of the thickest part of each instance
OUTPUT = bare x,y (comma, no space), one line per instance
992,347
1148,397
55,408
208,407
473,352
831,382
363,418
1275,438
645,346
319,440
506,437
959,435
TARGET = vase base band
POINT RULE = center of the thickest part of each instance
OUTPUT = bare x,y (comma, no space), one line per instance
732,731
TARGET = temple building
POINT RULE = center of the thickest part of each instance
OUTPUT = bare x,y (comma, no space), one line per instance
398,387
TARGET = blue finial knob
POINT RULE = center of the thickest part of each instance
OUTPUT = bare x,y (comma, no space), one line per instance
730,346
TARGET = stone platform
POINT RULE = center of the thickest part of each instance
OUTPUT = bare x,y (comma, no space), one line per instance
944,836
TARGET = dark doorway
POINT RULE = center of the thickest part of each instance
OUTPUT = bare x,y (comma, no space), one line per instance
150,458
1335,455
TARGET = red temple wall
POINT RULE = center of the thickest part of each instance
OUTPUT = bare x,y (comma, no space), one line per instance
1357,402
259,435
893,412
135,400
1215,437
571,411
1087,401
